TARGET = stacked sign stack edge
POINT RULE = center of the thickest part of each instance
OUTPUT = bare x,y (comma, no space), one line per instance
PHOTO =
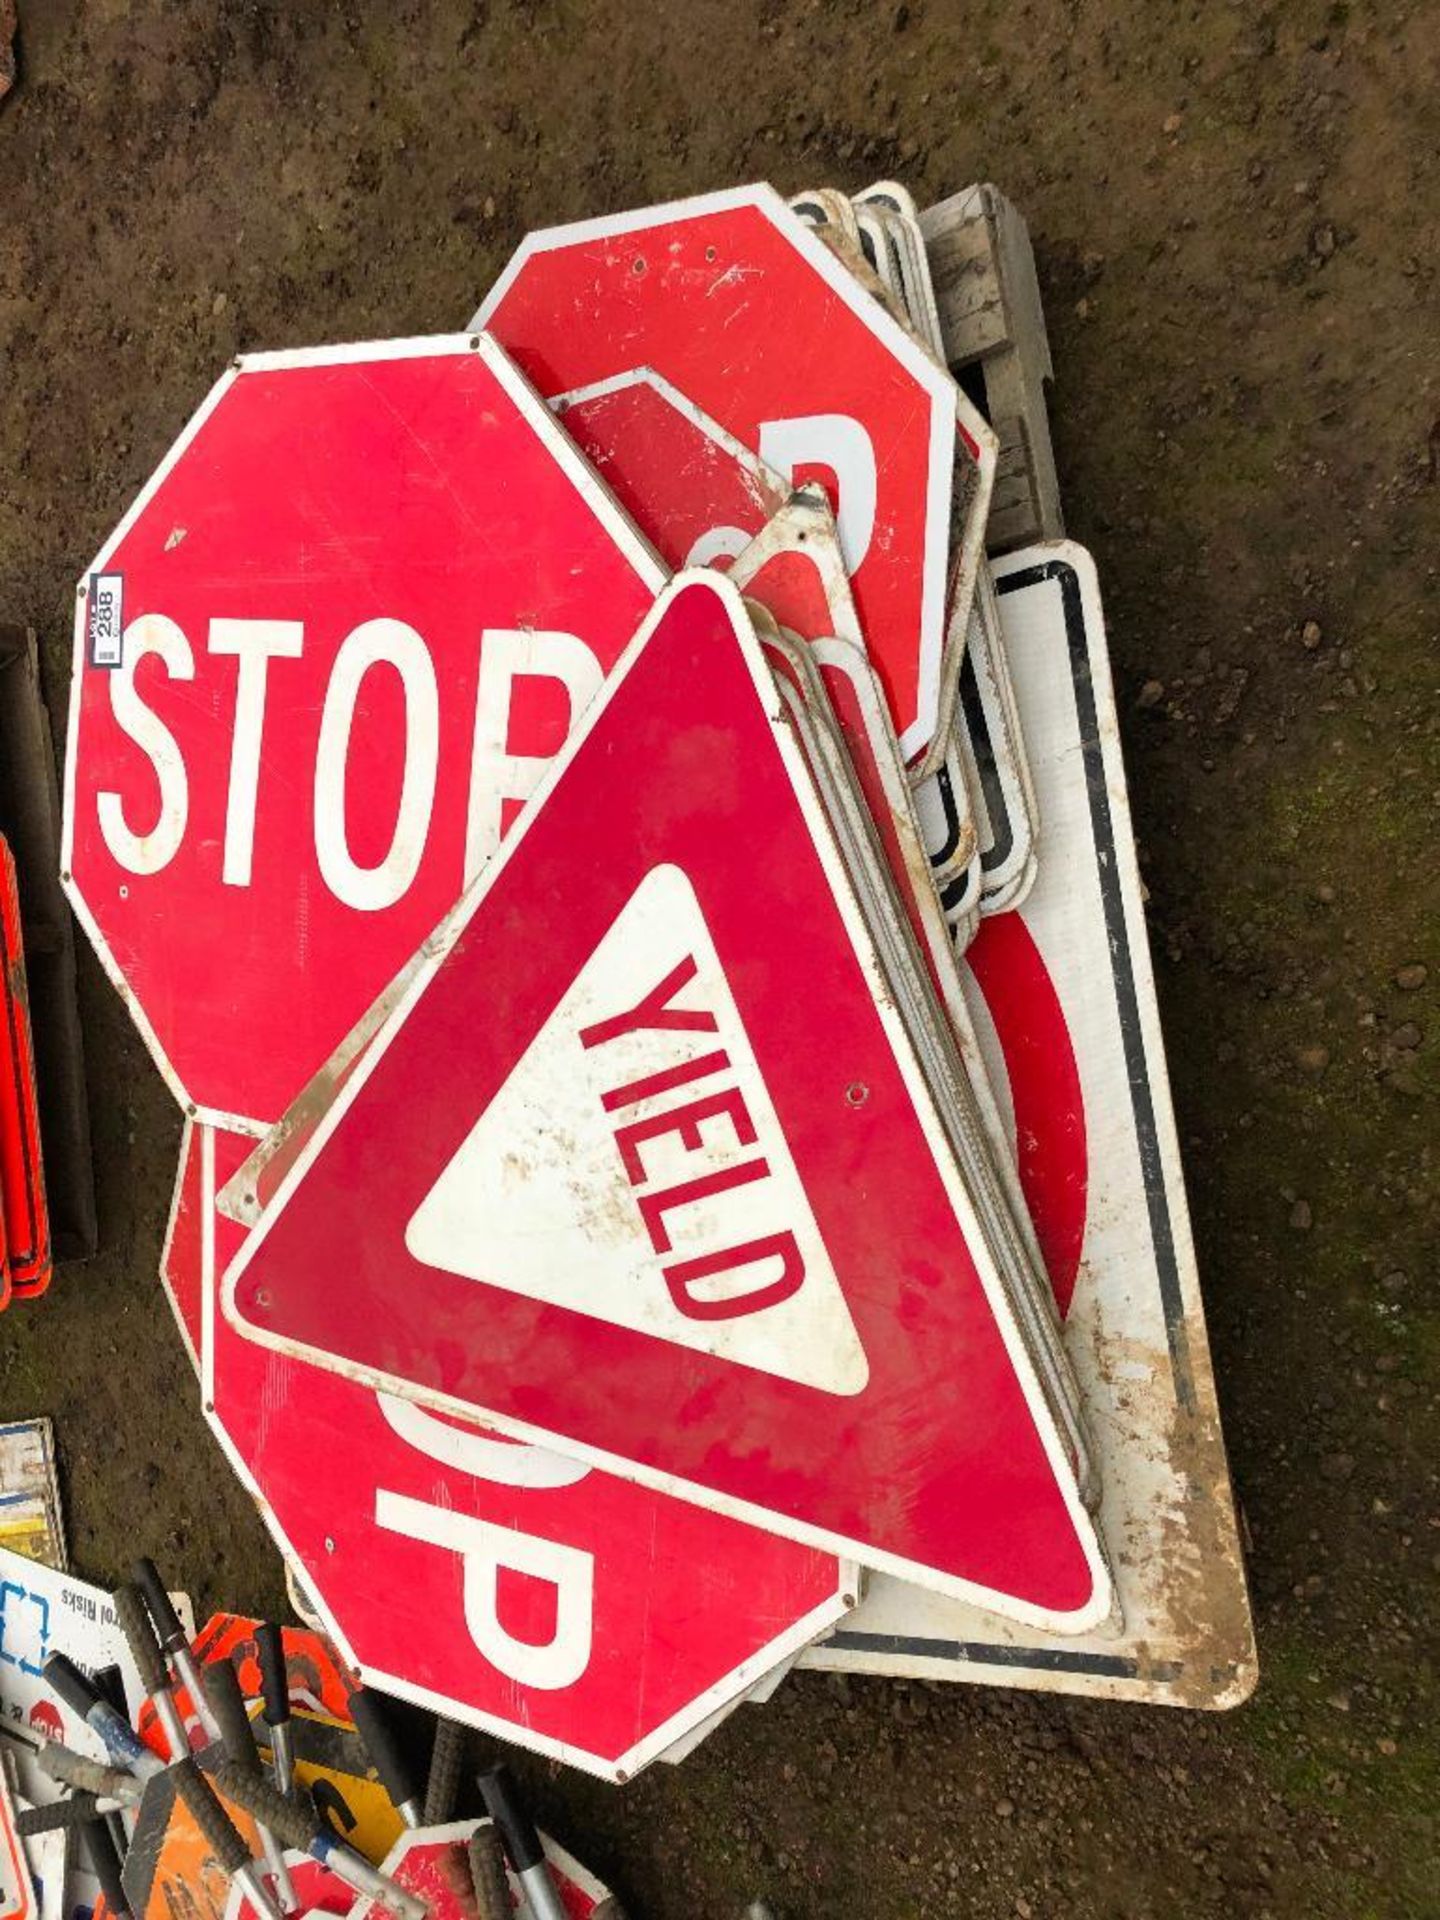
720,1118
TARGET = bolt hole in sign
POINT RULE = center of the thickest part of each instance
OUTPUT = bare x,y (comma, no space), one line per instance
733,299
318,667
615,1192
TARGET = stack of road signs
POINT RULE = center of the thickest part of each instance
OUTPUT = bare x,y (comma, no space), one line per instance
640,916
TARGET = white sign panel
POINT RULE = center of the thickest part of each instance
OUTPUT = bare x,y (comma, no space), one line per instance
1073,963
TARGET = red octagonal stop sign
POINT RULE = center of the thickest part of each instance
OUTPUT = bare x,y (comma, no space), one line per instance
738,303
507,1585
318,665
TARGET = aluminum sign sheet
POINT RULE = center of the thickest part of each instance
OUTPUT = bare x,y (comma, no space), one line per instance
734,299
551,1604
1063,994
318,666
635,1153
651,447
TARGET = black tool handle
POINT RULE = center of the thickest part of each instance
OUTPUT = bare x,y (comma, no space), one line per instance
91,1776
292,1821
227,1703
507,1810
171,1633
447,1759
105,1862
372,1718
486,1854
134,1618
274,1679
75,1810
73,1687
222,1836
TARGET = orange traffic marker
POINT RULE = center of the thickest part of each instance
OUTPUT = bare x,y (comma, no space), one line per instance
22,1179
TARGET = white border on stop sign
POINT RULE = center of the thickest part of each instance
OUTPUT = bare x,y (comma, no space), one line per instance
169,1252
955,572
707,1708
1136,1328
558,444
764,1689
771,488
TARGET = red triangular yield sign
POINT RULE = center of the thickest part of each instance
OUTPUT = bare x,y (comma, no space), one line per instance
644,1164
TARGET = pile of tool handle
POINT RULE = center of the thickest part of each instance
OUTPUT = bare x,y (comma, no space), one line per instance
25,1263
215,1768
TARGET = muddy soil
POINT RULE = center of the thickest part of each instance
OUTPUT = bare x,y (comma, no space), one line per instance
1236,211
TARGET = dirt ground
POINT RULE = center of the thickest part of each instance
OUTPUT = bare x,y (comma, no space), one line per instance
1236,211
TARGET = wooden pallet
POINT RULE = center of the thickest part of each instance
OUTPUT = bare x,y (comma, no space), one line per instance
994,328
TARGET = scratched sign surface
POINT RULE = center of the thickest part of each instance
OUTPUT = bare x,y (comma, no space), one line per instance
355,611
526,1593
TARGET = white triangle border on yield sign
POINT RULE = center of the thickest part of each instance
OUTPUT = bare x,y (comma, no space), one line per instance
537,1198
